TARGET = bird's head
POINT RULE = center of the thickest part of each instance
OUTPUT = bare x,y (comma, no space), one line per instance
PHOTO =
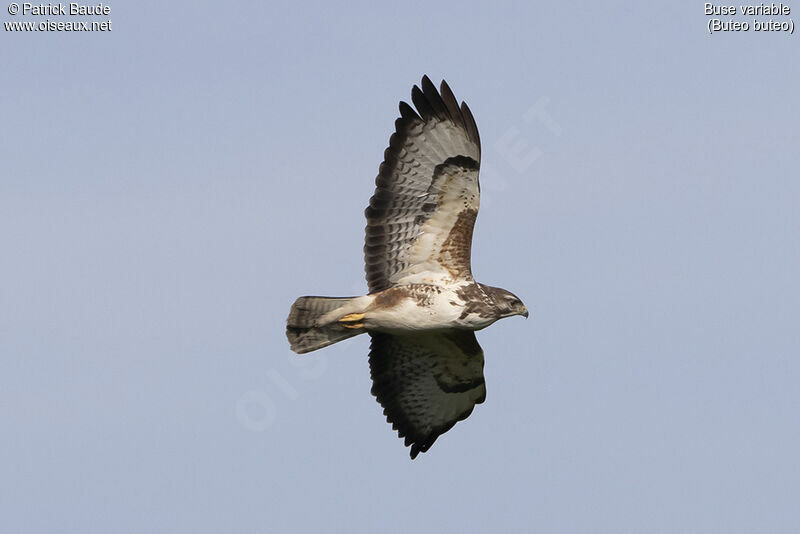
507,302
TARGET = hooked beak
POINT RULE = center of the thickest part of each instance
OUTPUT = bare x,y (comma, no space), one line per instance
524,312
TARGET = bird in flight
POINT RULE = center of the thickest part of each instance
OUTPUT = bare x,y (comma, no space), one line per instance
423,305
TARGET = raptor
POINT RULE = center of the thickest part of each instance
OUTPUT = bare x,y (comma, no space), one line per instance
423,305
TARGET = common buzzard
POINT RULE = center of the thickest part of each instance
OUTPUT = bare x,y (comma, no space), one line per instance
423,305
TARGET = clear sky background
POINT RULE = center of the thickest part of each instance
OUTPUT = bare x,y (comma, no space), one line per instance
168,188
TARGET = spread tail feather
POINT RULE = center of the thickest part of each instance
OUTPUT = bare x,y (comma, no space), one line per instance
305,328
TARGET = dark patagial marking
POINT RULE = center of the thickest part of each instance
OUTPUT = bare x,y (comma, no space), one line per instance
466,344
462,374
457,248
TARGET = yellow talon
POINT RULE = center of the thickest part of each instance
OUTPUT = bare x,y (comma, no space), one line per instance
351,318
357,325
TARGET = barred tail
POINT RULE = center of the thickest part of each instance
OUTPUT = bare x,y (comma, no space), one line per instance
306,329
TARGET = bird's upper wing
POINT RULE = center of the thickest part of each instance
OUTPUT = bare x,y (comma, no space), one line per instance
426,383
420,219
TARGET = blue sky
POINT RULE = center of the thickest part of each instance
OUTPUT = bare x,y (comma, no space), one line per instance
169,188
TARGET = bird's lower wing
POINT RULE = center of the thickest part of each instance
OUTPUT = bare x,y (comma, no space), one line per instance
426,383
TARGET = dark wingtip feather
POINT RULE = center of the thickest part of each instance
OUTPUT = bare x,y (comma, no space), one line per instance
407,112
469,124
423,107
434,99
443,105
451,103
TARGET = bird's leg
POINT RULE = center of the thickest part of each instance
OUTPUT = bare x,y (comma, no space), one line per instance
351,320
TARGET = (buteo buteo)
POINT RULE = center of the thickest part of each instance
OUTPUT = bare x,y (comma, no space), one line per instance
423,305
